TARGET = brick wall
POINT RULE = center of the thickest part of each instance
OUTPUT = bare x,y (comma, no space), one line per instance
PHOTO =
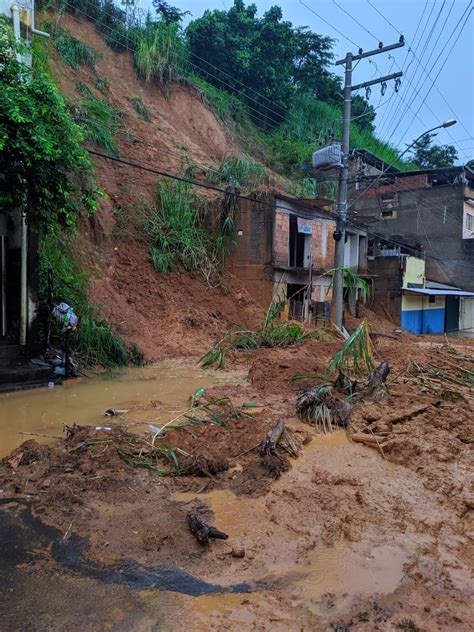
330,247
281,238
400,184
317,243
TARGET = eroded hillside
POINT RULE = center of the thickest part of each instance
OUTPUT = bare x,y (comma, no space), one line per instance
145,307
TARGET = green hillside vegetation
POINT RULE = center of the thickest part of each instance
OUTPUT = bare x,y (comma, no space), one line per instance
270,80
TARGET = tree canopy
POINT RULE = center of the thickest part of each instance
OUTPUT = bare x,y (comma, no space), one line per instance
265,55
44,169
430,156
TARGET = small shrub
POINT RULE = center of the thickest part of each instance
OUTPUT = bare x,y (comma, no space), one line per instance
102,85
176,227
225,106
100,121
74,52
141,109
83,89
94,341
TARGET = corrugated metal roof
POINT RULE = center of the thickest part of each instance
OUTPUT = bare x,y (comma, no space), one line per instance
434,285
429,292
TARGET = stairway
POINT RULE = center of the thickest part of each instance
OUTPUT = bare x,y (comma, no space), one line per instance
16,371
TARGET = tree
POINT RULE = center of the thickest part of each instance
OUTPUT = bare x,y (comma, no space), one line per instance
254,55
310,74
429,156
169,14
44,169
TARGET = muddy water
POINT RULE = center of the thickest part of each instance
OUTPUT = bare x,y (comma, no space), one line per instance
152,394
342,571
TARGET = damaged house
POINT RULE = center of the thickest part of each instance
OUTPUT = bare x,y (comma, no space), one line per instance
287,242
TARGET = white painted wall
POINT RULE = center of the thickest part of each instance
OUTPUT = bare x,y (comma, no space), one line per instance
466,314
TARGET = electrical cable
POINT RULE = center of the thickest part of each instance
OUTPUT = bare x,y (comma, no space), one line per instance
413,52
330,25
252,199
356,21
199,68
447,55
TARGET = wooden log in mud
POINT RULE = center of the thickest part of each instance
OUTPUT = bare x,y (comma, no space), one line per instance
372,440
378,377
269,444
203,531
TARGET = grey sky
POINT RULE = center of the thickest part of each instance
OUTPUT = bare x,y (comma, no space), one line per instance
434,37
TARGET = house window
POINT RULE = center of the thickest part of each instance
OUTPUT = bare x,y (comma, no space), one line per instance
469,222
432,298
388,214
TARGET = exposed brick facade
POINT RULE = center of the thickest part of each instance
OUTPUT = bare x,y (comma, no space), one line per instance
330,248
317,243
407,183
281,241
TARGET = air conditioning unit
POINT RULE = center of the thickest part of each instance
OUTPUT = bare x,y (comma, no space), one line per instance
330,156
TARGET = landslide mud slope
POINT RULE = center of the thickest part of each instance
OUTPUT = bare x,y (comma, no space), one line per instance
166,315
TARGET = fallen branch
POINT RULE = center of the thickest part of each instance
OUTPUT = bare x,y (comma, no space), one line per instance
269,444
203,531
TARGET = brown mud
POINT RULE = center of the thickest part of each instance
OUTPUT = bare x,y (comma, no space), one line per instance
346,537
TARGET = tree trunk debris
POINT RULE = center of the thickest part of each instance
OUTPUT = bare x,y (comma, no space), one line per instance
203,531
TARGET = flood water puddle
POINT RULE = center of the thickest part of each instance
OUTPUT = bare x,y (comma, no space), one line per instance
153,394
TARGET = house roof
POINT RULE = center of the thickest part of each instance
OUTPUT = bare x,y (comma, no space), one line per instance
375,161
430,292
434,285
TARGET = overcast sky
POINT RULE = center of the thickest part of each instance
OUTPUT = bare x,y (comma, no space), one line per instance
436,35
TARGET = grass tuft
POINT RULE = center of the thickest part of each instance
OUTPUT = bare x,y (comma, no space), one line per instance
94,342
74,52
141,109
100,121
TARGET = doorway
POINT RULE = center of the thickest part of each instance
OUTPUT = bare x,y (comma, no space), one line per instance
296,296
452,313
300,246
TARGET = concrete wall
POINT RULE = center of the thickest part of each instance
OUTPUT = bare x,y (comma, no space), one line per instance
414,274
251,251
466,314
468,220
420,316
430,215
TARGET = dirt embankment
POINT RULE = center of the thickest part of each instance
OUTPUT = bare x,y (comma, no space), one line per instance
349,535
165,315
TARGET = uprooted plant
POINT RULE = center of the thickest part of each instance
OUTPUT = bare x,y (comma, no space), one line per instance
273,333
329,404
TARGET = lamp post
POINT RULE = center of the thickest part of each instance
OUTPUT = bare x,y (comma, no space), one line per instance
447,123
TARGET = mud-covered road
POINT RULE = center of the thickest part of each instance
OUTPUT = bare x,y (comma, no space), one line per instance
349,537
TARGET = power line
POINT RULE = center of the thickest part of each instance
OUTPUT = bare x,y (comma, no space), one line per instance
330,25
387,123
411,99
199,68
253,200
448,54
356,21
413,52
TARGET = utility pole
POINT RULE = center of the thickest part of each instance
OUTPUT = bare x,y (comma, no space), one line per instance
341,221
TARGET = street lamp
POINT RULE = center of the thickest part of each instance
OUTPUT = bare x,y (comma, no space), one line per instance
447,123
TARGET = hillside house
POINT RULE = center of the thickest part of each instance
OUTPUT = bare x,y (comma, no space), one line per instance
416,304
288,242
433,208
